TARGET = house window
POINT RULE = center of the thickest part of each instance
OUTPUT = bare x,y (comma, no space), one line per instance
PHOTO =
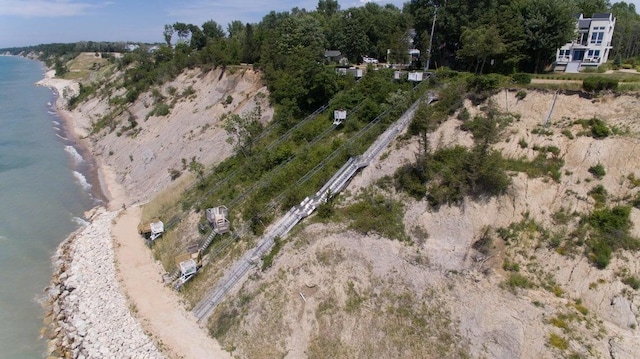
590,53
596,38
596,53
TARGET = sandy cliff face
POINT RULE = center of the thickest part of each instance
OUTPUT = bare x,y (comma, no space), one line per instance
336,293
140,157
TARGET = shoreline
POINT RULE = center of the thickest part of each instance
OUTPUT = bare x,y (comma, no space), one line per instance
128,288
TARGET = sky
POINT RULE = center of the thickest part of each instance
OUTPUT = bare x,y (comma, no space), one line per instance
33,22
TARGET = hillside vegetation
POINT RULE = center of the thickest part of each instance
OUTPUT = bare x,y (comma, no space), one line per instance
485,231
545,267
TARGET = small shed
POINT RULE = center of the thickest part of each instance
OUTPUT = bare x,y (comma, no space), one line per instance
217,216
397,75
151,230
188,264
415,76
339,116
356,72
332,55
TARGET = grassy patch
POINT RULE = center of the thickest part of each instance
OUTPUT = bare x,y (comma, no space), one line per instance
267,260
632,281
517,280
542,165
375,212
559,342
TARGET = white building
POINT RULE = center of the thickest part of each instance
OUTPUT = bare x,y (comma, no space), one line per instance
591,46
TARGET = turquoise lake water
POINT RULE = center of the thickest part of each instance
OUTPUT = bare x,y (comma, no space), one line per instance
43,194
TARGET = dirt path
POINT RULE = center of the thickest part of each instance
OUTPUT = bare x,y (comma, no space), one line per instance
161,313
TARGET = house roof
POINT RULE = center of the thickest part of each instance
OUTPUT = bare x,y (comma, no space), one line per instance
332,53
601,16
584,24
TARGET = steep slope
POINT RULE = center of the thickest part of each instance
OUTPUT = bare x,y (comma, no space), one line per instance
505,277
142,147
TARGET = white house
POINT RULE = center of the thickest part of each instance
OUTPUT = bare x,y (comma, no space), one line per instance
591,46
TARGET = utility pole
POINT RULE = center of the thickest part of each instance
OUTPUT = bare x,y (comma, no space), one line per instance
433,28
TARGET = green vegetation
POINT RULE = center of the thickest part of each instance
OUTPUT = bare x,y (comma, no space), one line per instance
610,232
597,127
599,194
374,212
598,170
558,342
542,165
597,84
632,281
521,79
267,260
517,280
447,175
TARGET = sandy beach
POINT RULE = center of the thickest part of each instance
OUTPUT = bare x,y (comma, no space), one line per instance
157,311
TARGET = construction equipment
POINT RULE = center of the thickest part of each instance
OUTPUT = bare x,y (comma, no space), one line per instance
151,230
339,116
189,264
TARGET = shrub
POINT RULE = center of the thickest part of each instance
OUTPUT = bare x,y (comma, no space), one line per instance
598,171
597,84
517,280
521,78
599,193
599,129
161,110
632,281
480,83
522,143
445,73
520,95
558,341
600,253
567,133
611,221
174,173
611,226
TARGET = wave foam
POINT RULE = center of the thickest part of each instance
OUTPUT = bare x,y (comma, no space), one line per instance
82,180
74,154
80,221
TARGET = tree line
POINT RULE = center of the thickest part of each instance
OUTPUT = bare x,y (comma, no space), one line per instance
482,36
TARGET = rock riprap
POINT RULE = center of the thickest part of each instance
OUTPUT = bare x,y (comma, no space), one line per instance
87,313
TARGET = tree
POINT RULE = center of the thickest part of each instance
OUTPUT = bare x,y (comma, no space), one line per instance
182,30
328,7
243,130
198,40
168,34
625,36
548,24
197,169
480,43
590,7
212,30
